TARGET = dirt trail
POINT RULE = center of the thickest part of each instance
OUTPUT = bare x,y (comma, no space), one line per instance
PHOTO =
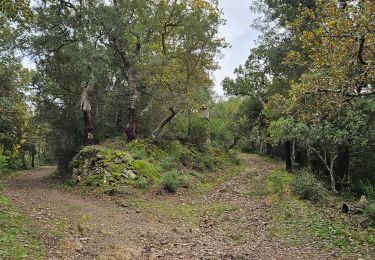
229,222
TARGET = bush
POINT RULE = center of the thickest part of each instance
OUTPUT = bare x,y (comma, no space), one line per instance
168,163
169,181
141,183
3,162
370,212
199,132
369,190
307,187
184,181
233,157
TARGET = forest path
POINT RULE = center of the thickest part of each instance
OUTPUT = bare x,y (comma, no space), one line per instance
229,221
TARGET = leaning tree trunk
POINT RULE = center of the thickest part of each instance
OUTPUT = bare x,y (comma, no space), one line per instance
88,132
158,130
130,76
131,125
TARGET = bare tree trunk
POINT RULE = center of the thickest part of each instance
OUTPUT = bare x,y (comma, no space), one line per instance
88,133
129,74
130,126
332,175
293,154
330,167
158,130
288,156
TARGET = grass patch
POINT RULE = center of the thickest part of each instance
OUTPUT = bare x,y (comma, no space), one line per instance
18,240
278,183
190,213
210,180
298,223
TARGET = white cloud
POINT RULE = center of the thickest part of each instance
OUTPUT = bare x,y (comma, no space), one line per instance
238,34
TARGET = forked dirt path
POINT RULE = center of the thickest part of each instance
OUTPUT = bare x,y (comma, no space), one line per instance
228,222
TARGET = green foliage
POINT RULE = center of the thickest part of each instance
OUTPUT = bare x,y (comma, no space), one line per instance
296,223
200,132
278,183
169,163
141,183
225,126
3,162
184,181
306,186
146,169
169,181
369,190
139,164
370,212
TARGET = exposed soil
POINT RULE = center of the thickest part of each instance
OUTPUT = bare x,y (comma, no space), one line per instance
228,222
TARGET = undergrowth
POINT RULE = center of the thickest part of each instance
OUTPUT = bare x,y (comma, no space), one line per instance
190,213
119,167
18,239
299,222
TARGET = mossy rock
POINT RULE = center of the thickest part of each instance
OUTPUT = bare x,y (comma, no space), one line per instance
141,162
146,169
98,166
142,149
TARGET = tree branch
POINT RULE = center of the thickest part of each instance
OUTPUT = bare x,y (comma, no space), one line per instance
360,50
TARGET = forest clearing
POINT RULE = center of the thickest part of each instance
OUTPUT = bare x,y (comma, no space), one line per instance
233,220
187,129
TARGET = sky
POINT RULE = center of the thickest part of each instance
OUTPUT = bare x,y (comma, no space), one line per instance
238,34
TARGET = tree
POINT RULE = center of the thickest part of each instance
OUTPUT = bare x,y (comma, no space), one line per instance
98,62
332,98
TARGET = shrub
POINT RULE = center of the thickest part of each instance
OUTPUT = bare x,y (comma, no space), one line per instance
3,162
208,162
199,132
233,157
369,190
307,187
370,212
141,183
168,163
278,182
169,181
184,181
